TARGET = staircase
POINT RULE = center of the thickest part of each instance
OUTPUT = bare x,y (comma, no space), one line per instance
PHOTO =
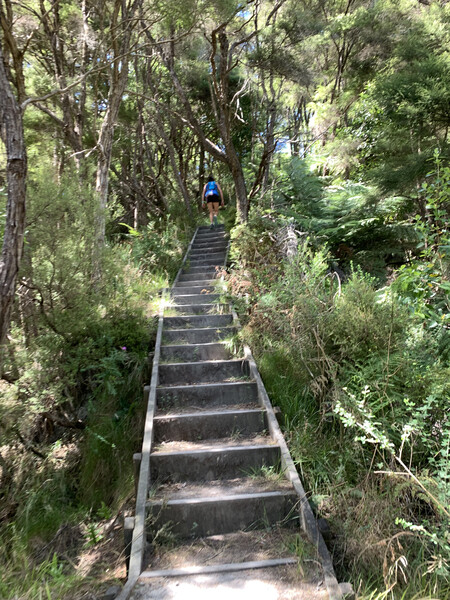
220,507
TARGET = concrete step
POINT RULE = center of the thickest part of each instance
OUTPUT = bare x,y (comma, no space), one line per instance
207,396
239,547
200,269
244,565
203,371
203,335
186,283
210,235
281,579
195,352
219,227
209,425
200,309
228,511
202,247
196,298
196,276
209,239
207,253
196,321
211,461
199,252
210,261
192,289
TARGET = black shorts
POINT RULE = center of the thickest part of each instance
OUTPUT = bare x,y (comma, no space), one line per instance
213,198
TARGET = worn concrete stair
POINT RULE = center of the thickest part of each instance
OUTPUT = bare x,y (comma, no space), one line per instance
199,334
215,472
209,428
209,371
195,352
204,396
210,424
242,566
225,506
207,462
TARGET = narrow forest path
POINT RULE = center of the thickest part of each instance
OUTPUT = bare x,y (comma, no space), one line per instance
220,507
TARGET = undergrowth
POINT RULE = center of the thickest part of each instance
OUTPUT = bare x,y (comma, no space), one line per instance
71,393
361,373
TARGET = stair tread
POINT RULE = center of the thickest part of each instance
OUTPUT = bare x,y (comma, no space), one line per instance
206,362
180,330
205,385
215,413
241,546
171,386
217,488
214,445
196,409
202,344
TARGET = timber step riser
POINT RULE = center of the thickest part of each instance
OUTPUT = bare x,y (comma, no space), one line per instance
207,426
198,321
205,270
210,235
209,261
202,372
212,464
225,515
195,352
192,289
186,310
205,249
216,254
196,276
207,396
198,336
192,283
196,299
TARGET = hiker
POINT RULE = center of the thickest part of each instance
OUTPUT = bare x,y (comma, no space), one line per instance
212,195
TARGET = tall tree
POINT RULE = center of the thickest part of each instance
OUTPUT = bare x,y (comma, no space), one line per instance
16,172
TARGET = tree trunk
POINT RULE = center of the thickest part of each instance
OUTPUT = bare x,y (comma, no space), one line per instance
117,85
16,172
270,146
176,166
201,175
221,89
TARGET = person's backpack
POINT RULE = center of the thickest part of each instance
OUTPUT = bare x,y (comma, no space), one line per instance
211,189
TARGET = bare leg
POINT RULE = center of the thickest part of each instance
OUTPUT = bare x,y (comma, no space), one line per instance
211,211
215,212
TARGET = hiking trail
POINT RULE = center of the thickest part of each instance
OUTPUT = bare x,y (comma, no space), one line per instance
220,508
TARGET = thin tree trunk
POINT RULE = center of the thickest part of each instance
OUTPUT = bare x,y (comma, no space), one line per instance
201,174
221,88
176,167
16,172
118,82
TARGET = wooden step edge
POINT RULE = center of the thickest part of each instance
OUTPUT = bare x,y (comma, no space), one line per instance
224,568
214,450
211,413
205,385
198,363
222,498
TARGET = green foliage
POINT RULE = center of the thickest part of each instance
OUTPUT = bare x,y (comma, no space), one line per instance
424,284
359,225
364,390
73,409
36,582
160,248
